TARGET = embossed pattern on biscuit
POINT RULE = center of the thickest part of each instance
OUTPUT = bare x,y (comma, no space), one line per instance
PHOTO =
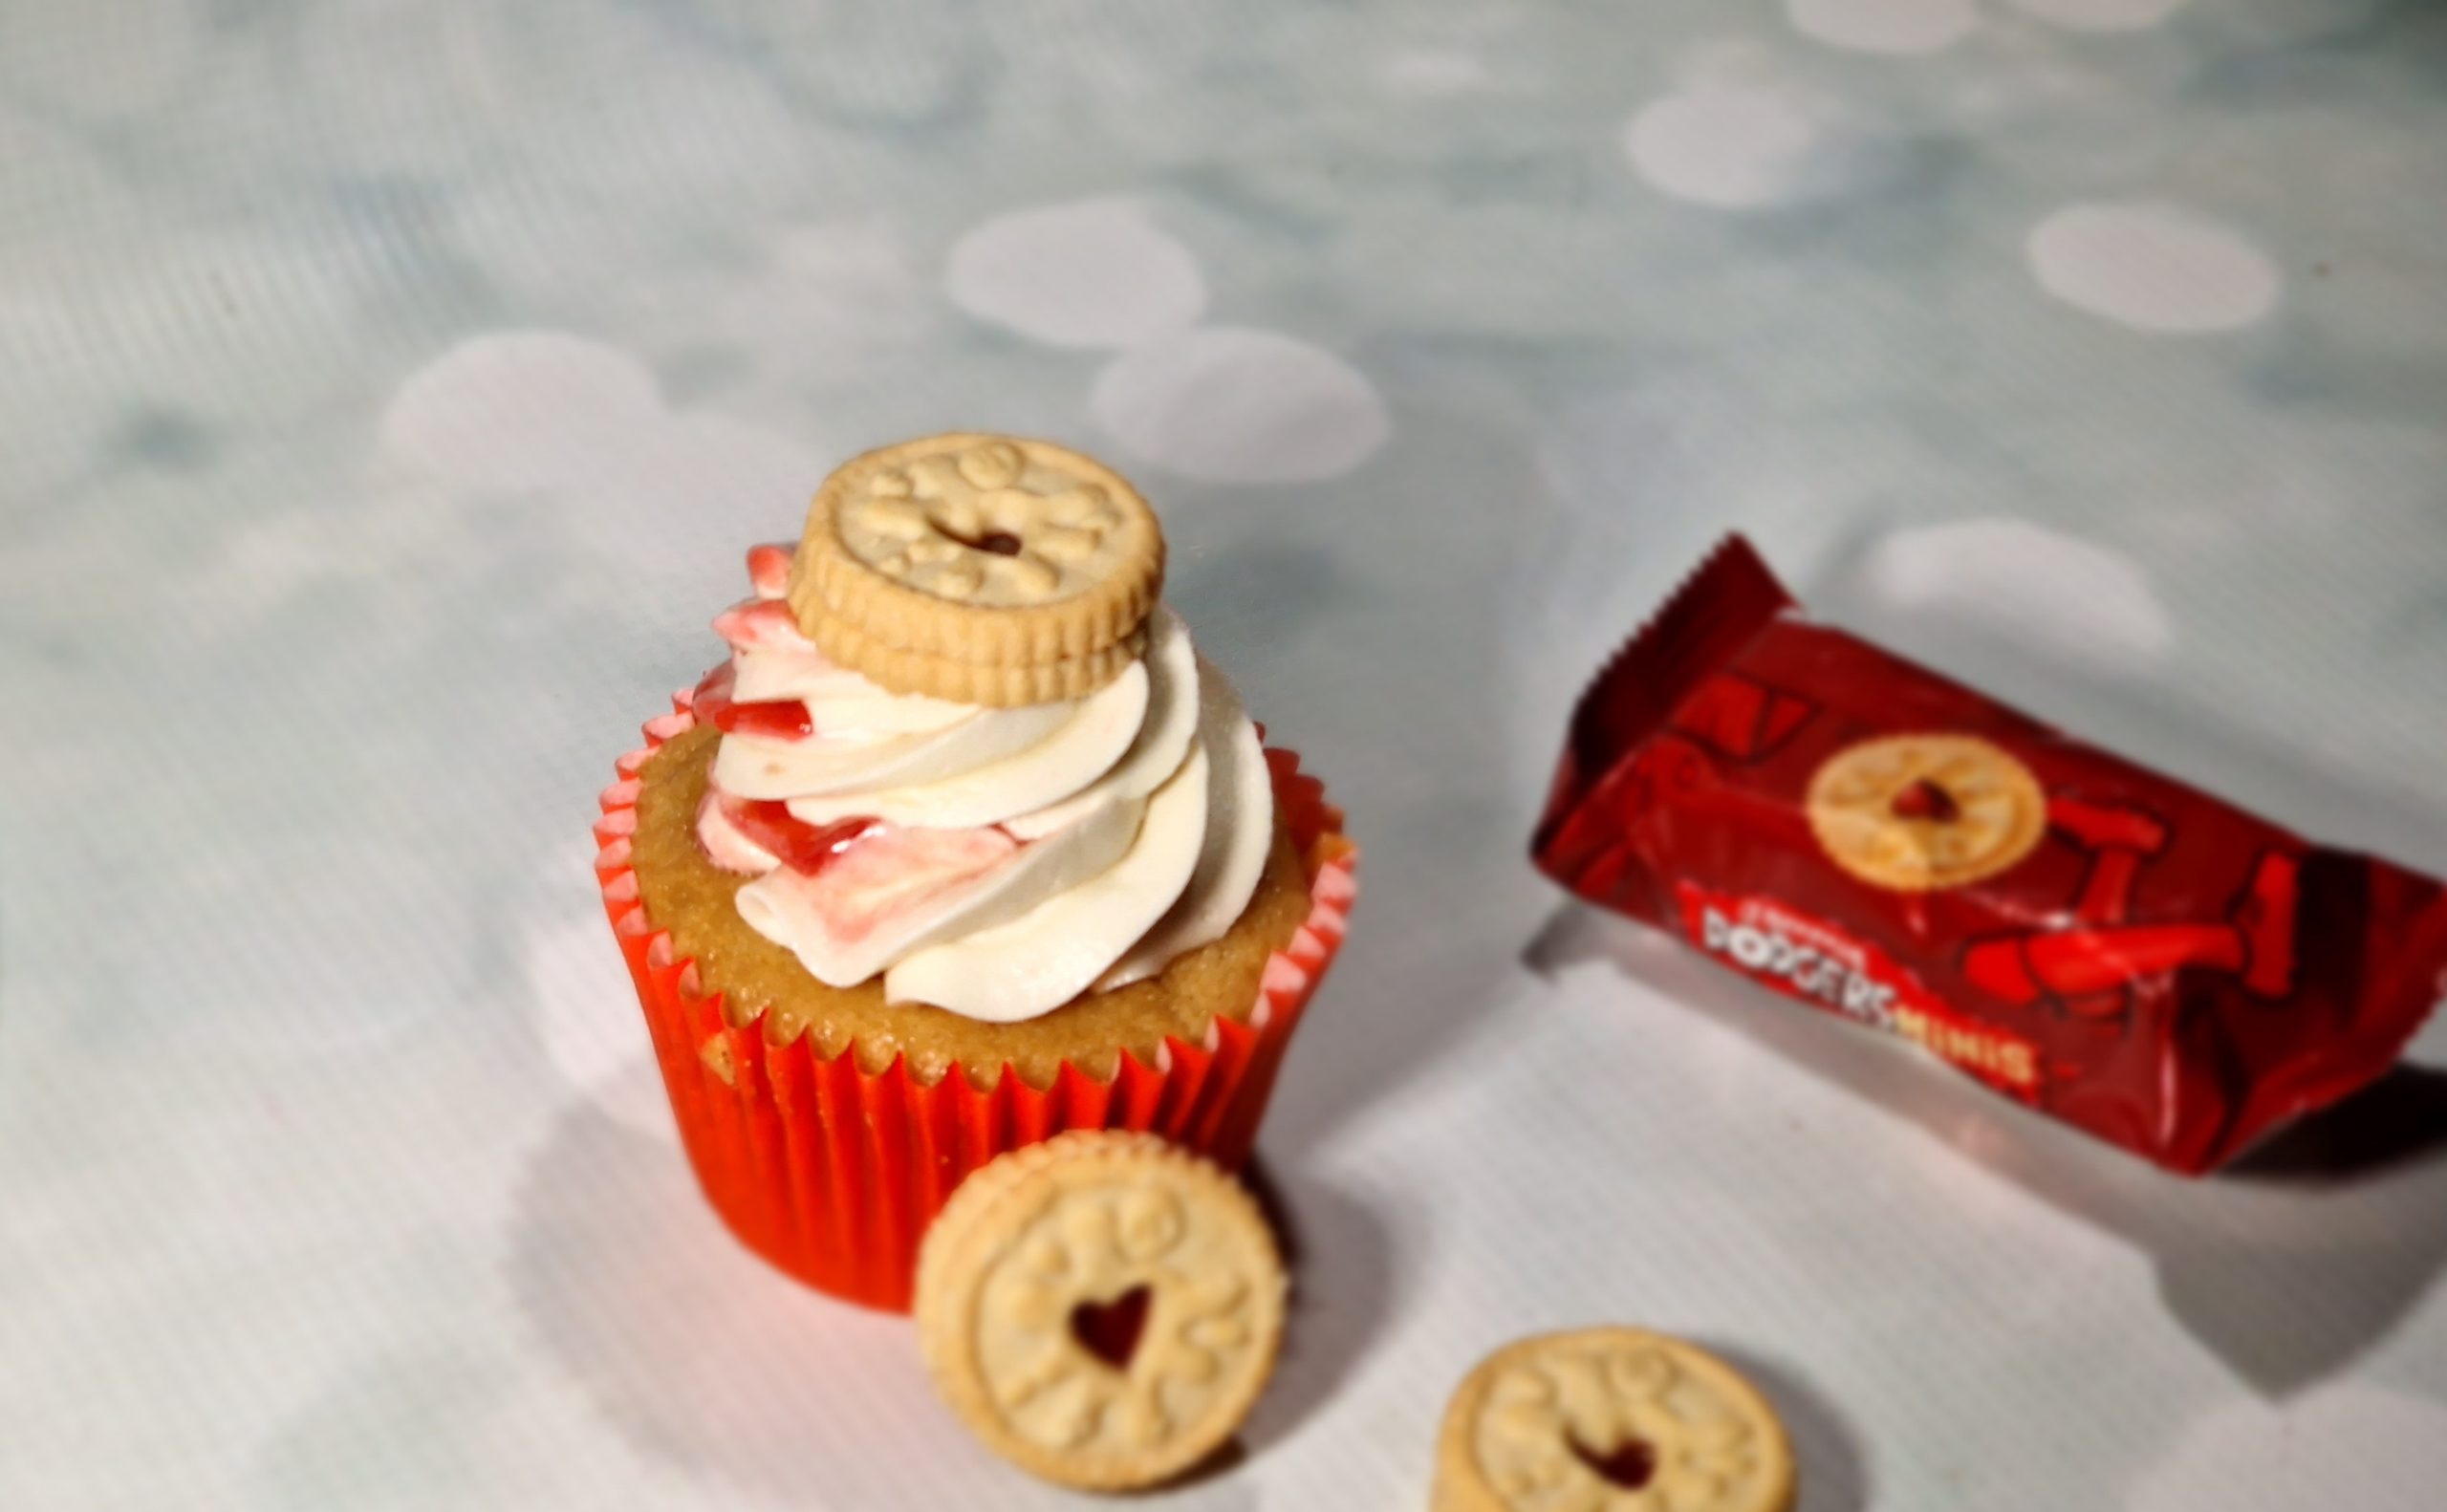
1094,1245
1610,1421
984,526
1080,1226
982,569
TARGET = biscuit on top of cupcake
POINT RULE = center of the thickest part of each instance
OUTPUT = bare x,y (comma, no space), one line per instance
964,791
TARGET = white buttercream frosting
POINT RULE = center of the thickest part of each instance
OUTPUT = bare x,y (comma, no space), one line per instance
997,862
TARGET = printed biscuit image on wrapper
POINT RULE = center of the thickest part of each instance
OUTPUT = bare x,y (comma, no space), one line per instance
2095,941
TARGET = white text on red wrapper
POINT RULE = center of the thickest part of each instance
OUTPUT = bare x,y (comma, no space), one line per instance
1805,970
1818,964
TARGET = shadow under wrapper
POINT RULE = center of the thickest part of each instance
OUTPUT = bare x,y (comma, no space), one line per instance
2287,1265
2298,1257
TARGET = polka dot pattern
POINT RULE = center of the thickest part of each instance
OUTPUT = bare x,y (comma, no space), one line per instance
1892,27
1097,274
388,390
2030,586
2100,15
1727,147
1223,404
2153,268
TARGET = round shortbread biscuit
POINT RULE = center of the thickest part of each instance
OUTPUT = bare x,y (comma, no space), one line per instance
1916,814
981,550
1000,688
1023,1277
1610,1421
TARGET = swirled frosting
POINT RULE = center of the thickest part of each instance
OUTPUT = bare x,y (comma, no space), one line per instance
997,862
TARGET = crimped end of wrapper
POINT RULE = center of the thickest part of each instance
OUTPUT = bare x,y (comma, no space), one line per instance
833,1174
1723,602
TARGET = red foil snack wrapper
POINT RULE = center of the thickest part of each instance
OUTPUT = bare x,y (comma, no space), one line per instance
2086,937
833,1174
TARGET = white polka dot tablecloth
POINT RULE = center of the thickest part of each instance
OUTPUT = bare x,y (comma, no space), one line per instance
389,391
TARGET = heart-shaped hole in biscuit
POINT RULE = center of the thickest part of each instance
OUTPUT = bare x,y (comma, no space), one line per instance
1629,1464
1925,799
994,543
1110,1330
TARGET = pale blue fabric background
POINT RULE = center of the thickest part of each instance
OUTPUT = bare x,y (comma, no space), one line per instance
387,393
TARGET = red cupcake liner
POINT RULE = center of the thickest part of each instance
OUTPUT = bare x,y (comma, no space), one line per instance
833,1174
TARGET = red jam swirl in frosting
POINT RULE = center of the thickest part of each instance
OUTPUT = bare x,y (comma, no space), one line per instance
997,862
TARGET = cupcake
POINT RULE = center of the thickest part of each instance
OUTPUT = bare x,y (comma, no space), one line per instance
964,846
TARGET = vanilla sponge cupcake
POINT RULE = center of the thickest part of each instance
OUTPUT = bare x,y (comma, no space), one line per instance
966,817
